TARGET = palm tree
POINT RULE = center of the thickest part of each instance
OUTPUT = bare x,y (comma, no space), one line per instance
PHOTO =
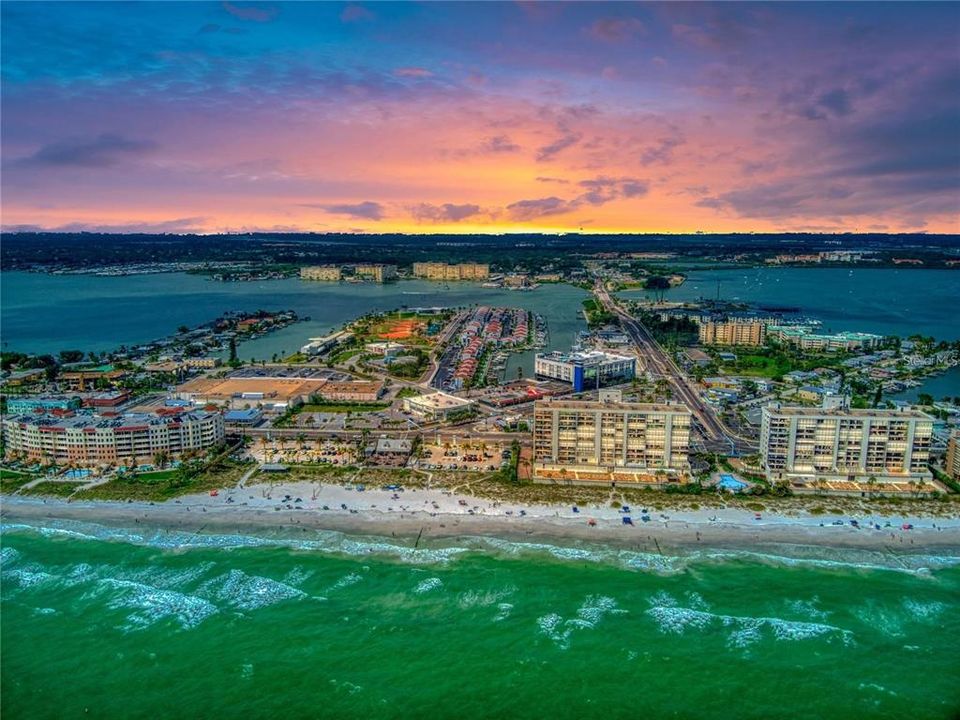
871,485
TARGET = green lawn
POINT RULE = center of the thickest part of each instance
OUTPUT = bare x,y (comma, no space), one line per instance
54,489
143,487
13,480
342,407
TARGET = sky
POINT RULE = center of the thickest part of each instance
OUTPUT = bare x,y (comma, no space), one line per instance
480,117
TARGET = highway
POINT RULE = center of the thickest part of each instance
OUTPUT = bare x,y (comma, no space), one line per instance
717,438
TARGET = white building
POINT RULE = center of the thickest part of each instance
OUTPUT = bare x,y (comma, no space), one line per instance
585,370
438,406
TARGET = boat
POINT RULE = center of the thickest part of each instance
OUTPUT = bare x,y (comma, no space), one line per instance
627,520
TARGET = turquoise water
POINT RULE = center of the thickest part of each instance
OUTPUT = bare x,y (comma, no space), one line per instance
884,301
127,625
49,313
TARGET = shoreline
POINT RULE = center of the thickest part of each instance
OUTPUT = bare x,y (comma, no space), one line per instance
430,525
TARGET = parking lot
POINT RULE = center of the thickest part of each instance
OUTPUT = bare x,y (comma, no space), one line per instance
476,457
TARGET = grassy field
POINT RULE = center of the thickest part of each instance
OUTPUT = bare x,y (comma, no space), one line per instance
50,488
335,407
142,487
13,480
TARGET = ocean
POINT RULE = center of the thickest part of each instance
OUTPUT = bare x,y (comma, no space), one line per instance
109,623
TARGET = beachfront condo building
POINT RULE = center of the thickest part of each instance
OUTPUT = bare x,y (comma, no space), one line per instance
732,332
610,441
326,273
377,273
952,465
90,440
803,337
585,370
443,271
842,449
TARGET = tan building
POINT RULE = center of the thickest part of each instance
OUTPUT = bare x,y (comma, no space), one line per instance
732,332
442,271
439,406
125,439
328,273
841,450
610,441
273,393
377,273
952,465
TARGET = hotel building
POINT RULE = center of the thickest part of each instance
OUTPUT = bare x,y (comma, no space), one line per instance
328,273
732,332
610,440
121,439
810,447
442,271
585,370
439,406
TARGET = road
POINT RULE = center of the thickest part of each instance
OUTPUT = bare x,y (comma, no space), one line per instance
717,438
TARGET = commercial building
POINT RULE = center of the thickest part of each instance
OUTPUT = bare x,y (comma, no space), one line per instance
610,440
90,378
327,273
442,271
952,464
841,449
29,376
439,406
377,273
42,404
275,390
585,370
803,337
122,439
732,332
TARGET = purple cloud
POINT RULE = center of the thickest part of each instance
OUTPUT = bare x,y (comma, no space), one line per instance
616,29
448,212
246,11
550,151
356,13
542,207
103,151
367,210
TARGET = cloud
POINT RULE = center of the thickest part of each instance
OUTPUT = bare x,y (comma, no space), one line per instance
661,151
179,225
414,72
499,144
367,210
246,11
616,29
559,181
542,207
103,151
550,151
447,212
710,202
356,13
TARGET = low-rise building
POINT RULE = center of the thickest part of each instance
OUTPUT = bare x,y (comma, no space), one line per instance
439,406
90,378
845,450
610,441
585,370
121,439
18,378
41,404
803,337
326,273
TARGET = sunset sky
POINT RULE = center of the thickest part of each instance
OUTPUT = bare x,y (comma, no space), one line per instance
434,117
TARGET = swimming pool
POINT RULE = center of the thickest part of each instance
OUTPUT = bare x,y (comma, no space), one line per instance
729,482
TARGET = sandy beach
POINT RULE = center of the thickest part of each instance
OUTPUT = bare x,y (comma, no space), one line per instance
426,515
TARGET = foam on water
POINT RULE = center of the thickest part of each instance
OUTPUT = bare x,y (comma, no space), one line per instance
672,618
338,543
427,585
346,581
148,605
475,598
589,615
8,555
923,611
246,592
504,612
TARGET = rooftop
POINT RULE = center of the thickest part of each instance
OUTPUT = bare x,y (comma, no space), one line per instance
899,413
591,405
589,357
